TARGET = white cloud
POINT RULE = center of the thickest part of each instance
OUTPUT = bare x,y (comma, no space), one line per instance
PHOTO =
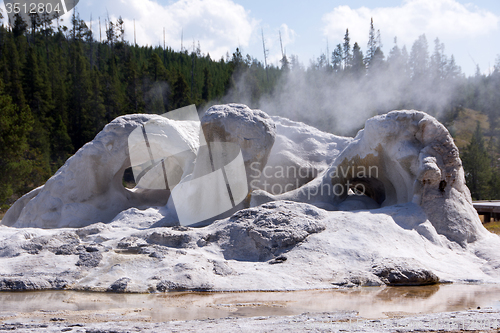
219,25
287,35
446,19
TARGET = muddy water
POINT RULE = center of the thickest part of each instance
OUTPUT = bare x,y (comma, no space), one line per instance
368,302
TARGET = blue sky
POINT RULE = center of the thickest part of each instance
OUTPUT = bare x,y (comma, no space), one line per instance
470,45
469,30
309,21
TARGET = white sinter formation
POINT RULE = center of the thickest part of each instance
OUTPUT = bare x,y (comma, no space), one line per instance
306,224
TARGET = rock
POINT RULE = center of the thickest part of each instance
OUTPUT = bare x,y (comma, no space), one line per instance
258,234
278,260
404,272
131,243
137,218
119,285
31,283
185,281
170,238
88,256
89,260
63,242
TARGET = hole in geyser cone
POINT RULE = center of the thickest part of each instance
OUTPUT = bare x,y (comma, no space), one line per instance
128,179
364,193
370,187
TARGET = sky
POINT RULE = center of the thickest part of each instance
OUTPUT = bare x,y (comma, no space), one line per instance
469,30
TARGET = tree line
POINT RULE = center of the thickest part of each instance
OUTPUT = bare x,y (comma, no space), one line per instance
59,87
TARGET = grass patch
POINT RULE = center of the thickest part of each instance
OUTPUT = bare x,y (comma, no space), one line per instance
493,227
463,126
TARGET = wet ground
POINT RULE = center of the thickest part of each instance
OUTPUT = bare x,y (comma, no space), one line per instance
369,303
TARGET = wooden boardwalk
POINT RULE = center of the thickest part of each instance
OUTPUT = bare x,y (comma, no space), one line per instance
488,208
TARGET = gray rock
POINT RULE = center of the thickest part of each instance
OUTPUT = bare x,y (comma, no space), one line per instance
170,238
184,282
68,240
23,283
131,243
260,234
404,272
66,250
119,285
278,260
89,259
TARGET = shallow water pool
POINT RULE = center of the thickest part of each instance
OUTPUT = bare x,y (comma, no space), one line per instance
370,302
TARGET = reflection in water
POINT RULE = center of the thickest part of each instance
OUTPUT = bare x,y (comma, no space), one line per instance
371,302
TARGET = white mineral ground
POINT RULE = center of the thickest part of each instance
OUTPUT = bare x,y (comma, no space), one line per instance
84,231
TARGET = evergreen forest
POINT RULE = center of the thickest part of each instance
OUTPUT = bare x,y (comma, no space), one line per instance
59,86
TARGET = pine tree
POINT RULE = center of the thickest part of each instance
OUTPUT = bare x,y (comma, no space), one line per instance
79,97
113,92
477,166
452,70
133,97
358,66
285,63
337,58
15,124
207,85
39,99
37,92
372,44
12,75
377,61
19,27
438,61
180,96
347,56
58,65
97,109
419,59
156,69
61,147
156,88
120,30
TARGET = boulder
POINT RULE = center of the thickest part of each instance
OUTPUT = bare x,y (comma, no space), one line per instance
404,272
